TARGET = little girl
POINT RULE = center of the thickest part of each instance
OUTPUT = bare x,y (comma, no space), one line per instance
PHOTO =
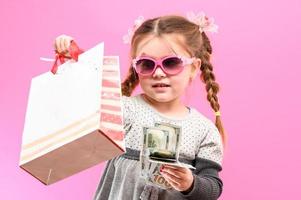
166,54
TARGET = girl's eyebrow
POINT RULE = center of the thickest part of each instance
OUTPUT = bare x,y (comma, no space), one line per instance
144,54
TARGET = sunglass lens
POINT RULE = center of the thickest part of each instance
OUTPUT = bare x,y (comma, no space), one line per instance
173,65
145,66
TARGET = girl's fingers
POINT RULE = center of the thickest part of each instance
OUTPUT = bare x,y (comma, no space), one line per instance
175,168
171,181
173,172
67,42
56,45
179,180
62,43
176,179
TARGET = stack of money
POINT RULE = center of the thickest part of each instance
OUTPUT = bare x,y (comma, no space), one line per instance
160,146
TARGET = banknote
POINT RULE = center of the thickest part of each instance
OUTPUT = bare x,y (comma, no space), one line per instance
171,152
155,142
161,145
175,138
150,172
155,178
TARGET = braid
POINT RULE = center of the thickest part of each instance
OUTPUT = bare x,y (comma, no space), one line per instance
208,78
130,83
212,87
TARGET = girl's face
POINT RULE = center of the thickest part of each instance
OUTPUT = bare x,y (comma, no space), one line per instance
160,86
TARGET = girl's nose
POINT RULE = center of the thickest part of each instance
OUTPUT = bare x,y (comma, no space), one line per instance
159,72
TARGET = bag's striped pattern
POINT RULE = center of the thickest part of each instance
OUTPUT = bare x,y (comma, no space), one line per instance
111,112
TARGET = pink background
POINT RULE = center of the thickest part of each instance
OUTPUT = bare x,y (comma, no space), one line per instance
256,60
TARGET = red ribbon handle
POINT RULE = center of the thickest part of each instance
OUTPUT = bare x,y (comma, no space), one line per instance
74,52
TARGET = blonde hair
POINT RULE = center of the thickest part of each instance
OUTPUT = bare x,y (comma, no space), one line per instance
198,45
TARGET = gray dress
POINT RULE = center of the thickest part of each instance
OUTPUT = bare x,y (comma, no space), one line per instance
200,146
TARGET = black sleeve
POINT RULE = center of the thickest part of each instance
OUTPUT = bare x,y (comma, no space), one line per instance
207,185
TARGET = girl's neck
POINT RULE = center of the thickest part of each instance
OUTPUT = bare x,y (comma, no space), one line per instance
173,108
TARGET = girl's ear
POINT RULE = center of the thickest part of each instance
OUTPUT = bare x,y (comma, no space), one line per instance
195,68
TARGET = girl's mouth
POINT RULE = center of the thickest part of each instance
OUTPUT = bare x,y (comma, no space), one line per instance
160,85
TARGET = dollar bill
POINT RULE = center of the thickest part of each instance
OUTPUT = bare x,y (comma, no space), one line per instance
155,177
161,145
175,137
171,152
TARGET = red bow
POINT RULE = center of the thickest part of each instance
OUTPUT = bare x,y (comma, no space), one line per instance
74,52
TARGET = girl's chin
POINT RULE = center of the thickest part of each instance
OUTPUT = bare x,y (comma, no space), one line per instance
161,97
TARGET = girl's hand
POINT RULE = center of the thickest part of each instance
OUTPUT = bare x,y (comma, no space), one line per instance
62,44
179,177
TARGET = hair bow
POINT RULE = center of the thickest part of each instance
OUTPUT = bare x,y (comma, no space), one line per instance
205,24
128,37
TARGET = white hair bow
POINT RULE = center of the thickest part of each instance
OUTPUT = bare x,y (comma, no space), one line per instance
205,24
128,37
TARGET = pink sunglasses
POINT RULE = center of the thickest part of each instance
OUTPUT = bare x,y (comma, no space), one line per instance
171,65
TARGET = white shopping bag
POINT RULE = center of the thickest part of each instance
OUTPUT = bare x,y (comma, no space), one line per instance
74,118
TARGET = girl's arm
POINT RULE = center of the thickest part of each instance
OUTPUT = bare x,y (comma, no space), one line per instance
208,163
207,185
203,183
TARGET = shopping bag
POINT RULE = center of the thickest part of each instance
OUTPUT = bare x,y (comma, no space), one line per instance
74,118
